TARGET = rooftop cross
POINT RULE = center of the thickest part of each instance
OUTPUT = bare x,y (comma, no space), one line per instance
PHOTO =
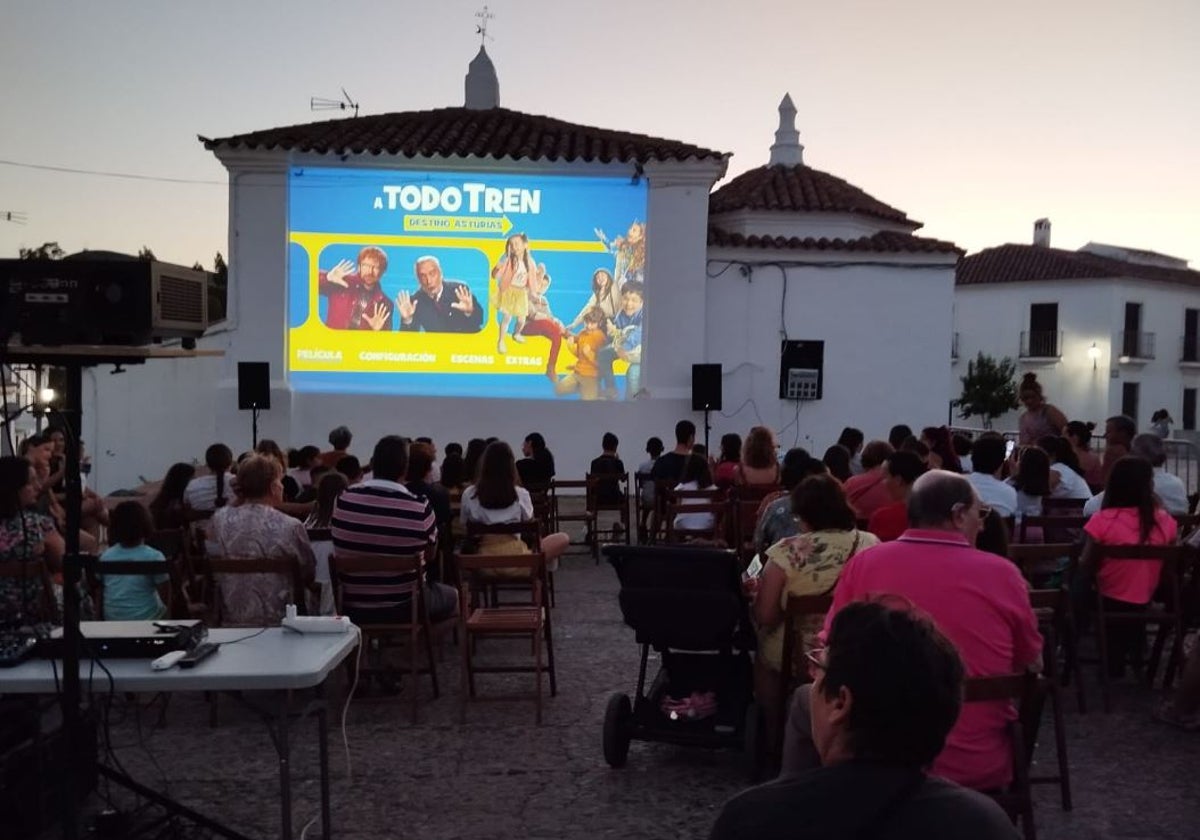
481,28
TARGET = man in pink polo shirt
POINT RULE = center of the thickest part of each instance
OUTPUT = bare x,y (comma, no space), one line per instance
980,602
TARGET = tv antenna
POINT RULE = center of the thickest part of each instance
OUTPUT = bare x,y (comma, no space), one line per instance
320,103
481,28
14,216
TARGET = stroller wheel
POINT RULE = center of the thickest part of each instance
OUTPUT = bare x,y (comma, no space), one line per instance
618,729
753,743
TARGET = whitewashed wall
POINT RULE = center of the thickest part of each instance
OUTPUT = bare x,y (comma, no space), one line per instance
990,318
887,334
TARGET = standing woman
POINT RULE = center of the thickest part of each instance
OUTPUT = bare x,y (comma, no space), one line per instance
1040,417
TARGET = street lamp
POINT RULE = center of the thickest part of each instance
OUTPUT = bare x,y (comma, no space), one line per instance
46,396
1094,355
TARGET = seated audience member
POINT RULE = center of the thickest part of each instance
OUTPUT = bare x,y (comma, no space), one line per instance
806,564
382,516
435,470
419,479
309,494
271,449
339,440
1119,432
941,449
645,485
132,597
350,467
253,528
696,476
759,453
987,459
38,451
914,444
979,600
898,434
475,447
1030,477
837,460
1130,515
207,493
1169,489
993,535
452,467
608,490
168,510
1066,475
331,486
668,467
727,464
1079,434
887,689
497,499
901,470
867,491
536,469
307,457
962,448
775,517
852,439
25,536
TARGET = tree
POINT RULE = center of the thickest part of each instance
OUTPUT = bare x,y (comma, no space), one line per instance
48,251
989,389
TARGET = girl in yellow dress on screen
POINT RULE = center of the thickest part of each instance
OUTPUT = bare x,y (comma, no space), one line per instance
512,275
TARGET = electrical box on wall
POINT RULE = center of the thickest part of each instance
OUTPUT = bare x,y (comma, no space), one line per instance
801,370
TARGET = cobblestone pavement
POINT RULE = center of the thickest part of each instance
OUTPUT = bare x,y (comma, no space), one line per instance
500,776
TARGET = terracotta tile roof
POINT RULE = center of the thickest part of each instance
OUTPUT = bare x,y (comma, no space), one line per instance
799,189
1018,263
460,132
883,242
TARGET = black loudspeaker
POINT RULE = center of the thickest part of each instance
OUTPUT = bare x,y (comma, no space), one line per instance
706,387
254,385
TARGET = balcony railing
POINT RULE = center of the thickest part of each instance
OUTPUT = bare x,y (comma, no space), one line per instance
1137,345
1189,349
1041,344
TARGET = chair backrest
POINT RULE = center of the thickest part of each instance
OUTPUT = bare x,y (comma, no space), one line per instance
172,542
1051,506
1055,528
1043,559
529,531
798,608
134,568
470,564
1187,523
676,507
285,567
607,491
360,580
319,534
33,573
1028,692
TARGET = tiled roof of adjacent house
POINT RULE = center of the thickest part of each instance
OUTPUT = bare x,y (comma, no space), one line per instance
883,242
462,132
799,189
1020,263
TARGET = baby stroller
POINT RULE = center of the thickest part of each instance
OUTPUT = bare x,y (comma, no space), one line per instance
687,604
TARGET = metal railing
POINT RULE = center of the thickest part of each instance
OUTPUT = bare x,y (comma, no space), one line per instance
1041,344
1137,345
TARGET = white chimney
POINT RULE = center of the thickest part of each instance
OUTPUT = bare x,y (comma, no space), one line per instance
1041,233
787,149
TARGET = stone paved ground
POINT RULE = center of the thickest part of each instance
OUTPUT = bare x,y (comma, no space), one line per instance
499,776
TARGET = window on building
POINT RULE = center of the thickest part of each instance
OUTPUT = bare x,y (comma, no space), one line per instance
1131,339
1191,335
1043,330
1129,399
1189,409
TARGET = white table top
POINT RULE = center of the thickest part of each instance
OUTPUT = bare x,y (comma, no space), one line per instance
277,659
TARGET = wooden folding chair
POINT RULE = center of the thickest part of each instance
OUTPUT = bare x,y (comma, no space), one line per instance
1169,617
530,533
1062,507
588,514
596,482
33,577
1027,691
1052,607
353,575
793,671
745,500
1040,561
478,622
287,568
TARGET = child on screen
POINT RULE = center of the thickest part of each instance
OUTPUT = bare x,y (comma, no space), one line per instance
512,275
585,379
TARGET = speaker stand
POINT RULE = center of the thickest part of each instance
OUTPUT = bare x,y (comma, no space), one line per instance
254,426
707,429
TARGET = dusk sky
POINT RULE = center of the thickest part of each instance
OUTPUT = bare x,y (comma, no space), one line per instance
975,118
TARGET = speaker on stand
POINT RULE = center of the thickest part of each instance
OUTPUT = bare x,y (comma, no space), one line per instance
706,394
254,392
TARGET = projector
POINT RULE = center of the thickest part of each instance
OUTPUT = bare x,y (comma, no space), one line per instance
122,301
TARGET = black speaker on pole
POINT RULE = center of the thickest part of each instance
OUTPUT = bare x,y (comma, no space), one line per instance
706,387
254,385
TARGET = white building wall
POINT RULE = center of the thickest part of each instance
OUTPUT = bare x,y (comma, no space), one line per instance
990,318
887,334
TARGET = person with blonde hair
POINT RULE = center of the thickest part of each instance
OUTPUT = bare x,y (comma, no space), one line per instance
759,462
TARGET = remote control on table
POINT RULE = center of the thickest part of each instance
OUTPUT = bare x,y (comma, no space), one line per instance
168,660
199,653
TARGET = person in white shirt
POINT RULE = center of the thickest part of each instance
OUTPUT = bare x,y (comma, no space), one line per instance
1169,488
1066,476
696,476
209,492
987,457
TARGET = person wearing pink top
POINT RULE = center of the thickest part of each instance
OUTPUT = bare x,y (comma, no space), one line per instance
868,491
1129,515
980,602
